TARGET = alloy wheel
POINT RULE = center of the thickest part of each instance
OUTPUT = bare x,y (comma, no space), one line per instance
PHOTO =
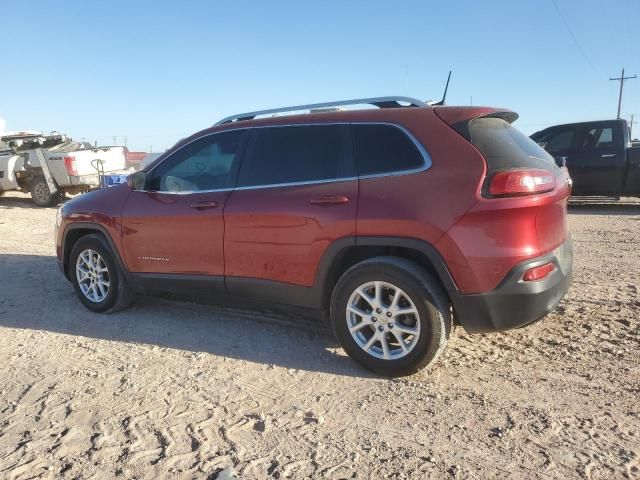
93,275
383,320
41,192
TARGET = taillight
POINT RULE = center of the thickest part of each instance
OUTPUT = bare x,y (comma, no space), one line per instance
70,165
521,182
538,273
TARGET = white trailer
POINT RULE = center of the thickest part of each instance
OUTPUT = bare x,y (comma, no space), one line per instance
49,166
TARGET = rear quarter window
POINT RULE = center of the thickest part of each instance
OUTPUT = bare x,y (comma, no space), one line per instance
385,149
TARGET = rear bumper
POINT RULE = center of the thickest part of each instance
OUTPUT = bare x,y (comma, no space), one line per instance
516,303
90,180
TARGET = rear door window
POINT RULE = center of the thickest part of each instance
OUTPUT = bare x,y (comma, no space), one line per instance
385,149
293,154
605,140
600,137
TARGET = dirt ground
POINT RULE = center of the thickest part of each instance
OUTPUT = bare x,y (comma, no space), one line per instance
173,389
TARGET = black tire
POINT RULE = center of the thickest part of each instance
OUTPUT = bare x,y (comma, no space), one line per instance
60,197
41,194
119,295
426,293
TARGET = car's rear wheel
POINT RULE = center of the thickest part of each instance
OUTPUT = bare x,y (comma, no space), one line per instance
96,277
390,315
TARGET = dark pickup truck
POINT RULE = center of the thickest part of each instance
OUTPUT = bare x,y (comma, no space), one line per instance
600,157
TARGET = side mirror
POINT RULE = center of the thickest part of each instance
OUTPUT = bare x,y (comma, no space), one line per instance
543,144
137,181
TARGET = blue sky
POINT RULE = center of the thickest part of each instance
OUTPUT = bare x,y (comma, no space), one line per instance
156,71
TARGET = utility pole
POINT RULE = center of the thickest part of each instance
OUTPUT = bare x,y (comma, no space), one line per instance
621,79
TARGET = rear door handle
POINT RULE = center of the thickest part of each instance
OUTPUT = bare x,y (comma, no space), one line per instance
328,200
608,155
205,205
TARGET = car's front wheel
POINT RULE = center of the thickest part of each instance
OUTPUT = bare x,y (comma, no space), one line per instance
95,275
390,315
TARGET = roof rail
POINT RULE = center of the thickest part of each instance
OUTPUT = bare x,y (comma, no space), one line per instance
380,102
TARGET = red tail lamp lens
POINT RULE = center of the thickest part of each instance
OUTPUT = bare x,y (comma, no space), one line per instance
538,273
70,165
521,182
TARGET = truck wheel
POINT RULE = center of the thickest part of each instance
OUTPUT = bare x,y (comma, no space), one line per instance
60,196
40,192
96,277
390,315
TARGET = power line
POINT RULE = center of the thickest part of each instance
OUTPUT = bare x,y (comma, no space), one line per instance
621,79
575,39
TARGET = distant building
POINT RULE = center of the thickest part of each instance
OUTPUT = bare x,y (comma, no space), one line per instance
135,157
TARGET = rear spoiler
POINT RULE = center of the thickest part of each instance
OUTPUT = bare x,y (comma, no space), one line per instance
453,115
458,118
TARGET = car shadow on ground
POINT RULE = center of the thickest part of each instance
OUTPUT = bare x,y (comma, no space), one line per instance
605,208
19,202
35,295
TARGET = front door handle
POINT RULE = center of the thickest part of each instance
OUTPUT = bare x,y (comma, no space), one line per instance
608,155
205,205
328,200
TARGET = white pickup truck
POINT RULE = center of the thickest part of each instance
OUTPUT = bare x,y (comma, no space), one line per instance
49,166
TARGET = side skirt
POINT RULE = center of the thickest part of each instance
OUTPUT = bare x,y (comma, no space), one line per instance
248,288
276,292
175,283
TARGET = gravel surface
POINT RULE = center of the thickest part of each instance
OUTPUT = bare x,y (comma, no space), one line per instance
173,389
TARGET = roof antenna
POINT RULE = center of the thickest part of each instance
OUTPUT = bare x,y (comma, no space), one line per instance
444,96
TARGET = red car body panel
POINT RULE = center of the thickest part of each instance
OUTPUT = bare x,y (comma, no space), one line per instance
423,205
103,207
277,234
169,233
498,233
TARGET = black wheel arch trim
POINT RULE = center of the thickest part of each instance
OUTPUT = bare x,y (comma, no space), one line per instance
66,250
315,296
418,245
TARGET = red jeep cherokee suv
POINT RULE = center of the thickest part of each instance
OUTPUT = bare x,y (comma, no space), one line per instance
398,220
